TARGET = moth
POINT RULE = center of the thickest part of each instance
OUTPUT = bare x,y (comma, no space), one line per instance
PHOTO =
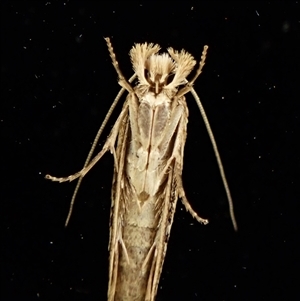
147,142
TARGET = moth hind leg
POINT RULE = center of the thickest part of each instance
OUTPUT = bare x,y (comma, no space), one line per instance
184,200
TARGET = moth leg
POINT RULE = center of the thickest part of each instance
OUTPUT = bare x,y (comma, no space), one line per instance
124,249
179,119
149,294
184,200
85,170
150,253
113,271
109,145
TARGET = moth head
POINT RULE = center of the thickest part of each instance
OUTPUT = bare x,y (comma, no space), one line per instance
154,70
158,68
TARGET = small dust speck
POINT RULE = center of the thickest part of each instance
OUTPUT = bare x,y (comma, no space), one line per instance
286,27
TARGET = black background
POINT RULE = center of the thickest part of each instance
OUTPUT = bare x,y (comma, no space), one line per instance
57,83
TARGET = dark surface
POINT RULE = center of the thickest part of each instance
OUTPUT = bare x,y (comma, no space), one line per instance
57,83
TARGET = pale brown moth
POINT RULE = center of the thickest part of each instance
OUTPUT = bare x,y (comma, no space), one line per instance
147,142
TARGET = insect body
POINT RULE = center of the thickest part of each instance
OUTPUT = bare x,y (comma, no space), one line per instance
147,142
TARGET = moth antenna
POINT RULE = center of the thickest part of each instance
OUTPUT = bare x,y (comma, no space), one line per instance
122,80
187,88
201,65
218,157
